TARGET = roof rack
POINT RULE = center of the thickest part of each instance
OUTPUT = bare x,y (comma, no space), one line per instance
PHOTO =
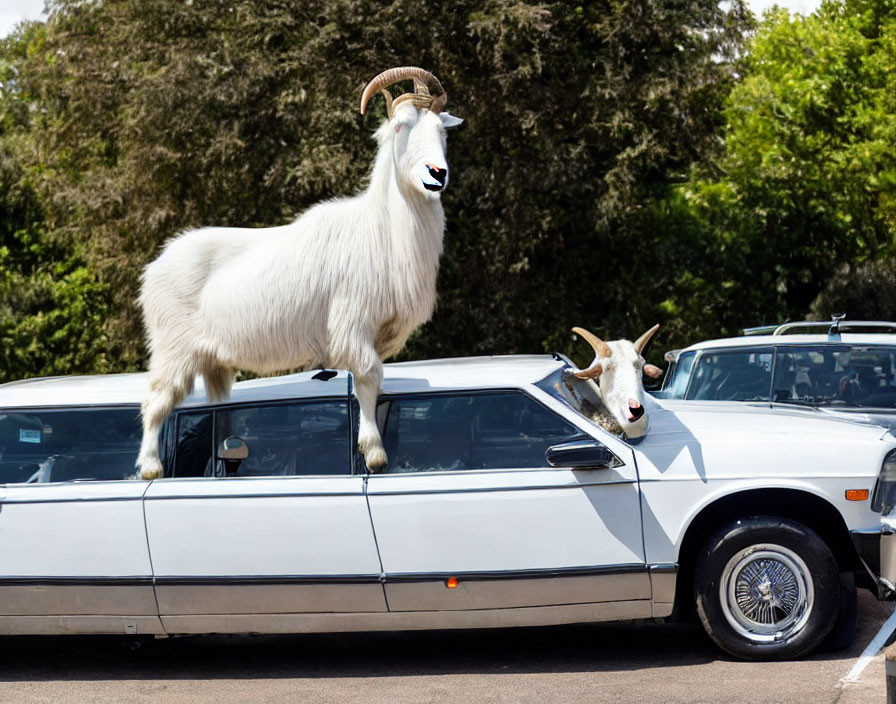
761,330
834,327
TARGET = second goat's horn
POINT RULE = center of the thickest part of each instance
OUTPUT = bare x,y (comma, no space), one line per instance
601,348
642,341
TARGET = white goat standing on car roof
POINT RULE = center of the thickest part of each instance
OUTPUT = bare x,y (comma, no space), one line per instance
616,371
343,286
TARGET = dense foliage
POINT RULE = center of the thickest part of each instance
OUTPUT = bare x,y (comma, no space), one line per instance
52,307
619,164
803,199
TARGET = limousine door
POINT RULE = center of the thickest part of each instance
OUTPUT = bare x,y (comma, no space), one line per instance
470,517
278,545
73,555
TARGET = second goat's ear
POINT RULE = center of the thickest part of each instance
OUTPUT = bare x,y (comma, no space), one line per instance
449,120
652,371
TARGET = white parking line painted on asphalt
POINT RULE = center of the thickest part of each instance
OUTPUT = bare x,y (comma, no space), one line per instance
873,649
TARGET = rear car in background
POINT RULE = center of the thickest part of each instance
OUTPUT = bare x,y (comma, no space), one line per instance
841,367
503,504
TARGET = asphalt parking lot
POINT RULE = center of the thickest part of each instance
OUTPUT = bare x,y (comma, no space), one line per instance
643,662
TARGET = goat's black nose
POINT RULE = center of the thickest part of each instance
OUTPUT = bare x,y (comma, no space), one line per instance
636,410
438,174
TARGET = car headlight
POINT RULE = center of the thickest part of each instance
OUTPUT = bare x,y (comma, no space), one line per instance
884,496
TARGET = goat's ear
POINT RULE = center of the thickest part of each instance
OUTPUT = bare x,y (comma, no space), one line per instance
652,371
449,120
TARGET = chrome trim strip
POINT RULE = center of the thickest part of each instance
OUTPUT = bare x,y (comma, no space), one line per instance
263,580
176,481
71,500
663,581
455,472
375,477
56,408
545,573
277,495
29,581
489,489
280,400
289,579
664,567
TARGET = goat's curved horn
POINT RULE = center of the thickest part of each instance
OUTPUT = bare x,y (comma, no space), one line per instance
601,348
642,341
423,81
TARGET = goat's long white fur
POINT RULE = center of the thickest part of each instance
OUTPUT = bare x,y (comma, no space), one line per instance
343,286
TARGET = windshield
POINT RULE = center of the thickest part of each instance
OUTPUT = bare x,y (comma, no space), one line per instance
742,374
677,377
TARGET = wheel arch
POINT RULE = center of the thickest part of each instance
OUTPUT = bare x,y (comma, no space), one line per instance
804,507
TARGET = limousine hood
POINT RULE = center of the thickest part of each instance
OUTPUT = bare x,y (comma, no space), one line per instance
759,446
712,420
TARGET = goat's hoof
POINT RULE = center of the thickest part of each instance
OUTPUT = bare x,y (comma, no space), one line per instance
151,472
375,459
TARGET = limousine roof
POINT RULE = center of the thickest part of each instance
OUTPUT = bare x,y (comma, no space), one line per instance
402,377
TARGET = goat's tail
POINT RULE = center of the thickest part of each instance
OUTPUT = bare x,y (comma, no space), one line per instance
218,381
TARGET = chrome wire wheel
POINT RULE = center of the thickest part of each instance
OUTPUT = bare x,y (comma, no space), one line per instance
766,593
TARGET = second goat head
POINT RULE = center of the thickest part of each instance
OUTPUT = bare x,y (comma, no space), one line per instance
617,369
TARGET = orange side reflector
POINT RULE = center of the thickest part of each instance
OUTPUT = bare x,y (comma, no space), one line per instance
856,494
452,582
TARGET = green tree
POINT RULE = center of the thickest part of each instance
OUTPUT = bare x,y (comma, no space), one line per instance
806,184
865,291
52,309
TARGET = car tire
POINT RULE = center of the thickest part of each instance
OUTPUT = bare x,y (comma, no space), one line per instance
767,588
843,634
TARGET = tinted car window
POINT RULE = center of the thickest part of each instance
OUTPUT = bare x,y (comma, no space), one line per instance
731,375
834,375
478,431
678,377
61,445
283,439
195,443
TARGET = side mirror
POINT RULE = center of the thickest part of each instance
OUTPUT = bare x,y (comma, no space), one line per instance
232,452
581,454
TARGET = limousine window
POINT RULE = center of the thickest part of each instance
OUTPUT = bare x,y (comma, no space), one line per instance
62,445
504,430
309,438
195,443
836,376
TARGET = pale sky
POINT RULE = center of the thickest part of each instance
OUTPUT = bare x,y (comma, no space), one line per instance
804,7
14,11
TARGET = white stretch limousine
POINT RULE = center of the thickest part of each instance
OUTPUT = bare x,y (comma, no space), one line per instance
503,504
